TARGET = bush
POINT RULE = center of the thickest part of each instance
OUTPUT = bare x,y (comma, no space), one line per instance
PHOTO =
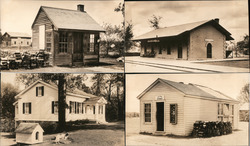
7,125
209,129
149,54
49,127
79,122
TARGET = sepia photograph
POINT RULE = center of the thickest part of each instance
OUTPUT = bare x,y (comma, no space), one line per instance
187,109
187,36
58,108
62,36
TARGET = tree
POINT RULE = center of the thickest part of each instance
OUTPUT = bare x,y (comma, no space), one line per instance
63,82
128,36
244,44
155,21
8,93
244,94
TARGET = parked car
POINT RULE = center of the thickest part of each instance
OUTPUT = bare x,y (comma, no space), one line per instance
18,59
4,63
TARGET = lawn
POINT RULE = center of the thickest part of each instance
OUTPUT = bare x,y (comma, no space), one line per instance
238,137
231,63
110,134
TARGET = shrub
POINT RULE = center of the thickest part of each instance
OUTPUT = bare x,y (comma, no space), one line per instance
149,54
79,122
49,127
209,129
7,125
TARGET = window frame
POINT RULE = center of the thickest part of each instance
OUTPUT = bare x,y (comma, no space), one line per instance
149,113
63,44
91,43
175,114
37,91
55,105
27,108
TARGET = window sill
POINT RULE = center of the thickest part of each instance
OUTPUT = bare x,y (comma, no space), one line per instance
147,123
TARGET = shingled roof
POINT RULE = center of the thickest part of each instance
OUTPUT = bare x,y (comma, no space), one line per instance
181,29
192,90
26,128
70,19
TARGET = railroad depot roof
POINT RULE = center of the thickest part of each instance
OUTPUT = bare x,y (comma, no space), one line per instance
192,90
70,19
181,29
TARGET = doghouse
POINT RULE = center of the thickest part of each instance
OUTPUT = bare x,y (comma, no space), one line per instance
29,133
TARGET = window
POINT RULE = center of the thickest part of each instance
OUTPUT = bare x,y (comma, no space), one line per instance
15,42
27,108
54,107
101,109
48,41
91,43
37,135
40,91
63,42
168,50
27,43
93,109
147,111
76,107
173,113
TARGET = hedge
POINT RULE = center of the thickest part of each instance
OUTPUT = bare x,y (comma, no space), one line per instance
209,129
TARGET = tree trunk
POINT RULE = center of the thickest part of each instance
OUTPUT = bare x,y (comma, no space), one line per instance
109,91
119,103
61,102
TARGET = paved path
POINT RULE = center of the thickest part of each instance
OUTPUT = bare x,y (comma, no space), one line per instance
140,64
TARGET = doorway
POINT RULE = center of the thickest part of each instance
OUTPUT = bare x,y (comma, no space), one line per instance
209,50
78,47
179,51
160,116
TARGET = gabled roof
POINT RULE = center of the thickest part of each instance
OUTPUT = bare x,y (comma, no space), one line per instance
96,100
18,34
70,19
27,128
191,90
177,30
75,92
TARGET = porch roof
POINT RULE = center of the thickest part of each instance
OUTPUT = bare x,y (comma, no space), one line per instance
181,29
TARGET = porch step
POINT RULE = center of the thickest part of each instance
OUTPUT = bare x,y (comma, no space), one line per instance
159,133
78,64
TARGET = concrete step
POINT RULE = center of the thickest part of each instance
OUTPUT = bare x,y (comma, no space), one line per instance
159,133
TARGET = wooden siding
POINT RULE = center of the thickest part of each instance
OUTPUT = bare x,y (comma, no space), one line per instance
172,96
42,19
198,45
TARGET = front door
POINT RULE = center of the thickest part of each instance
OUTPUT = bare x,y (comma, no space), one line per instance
179,51
78,47
160,116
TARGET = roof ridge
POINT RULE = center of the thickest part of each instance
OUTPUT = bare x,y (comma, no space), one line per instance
63,9
186,23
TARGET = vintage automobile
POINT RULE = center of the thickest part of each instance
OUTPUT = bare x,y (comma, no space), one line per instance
4,63
26,60
40,58
33,61
18,59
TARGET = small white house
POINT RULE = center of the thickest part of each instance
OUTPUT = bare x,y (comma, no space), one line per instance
29,133
39,102
168,107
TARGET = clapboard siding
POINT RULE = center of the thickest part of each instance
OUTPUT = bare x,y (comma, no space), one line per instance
198,109
172,96
41,19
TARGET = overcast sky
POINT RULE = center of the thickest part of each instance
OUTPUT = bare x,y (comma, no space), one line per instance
233,15
18,15
229,84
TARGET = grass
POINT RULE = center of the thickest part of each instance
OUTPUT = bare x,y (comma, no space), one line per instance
236,63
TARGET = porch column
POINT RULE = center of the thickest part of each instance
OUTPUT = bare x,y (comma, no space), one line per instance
97,112
104,112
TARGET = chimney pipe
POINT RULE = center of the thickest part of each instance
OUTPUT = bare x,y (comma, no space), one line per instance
217,20
80,8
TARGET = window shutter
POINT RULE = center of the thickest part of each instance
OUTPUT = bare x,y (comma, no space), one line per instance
70,107
42,90
36,91
23,108
93,109
52,107
30,108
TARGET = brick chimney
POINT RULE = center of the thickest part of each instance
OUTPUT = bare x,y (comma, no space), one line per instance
217,20
80,8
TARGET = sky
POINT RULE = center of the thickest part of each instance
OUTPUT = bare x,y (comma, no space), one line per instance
18,15
233,15
229,84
